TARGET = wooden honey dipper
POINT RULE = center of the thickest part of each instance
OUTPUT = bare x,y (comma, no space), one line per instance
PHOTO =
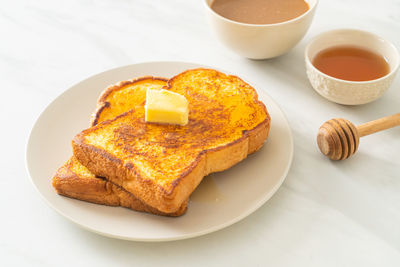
338,138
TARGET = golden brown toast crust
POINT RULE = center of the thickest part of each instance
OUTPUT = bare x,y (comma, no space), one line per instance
96,190
75,181
169,196
104,104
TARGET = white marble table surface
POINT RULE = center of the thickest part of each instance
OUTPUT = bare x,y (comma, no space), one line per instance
325,214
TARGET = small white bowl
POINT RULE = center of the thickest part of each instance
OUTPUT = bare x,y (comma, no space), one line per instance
350,92
260,41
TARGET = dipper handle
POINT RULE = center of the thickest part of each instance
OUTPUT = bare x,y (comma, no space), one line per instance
338,138
379,125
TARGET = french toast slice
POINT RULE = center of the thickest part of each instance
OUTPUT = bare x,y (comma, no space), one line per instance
163,164
76,181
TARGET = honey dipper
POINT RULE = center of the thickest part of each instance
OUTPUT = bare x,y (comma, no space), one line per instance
338,138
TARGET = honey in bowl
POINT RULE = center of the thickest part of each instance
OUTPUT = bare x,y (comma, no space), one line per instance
351,63
260,11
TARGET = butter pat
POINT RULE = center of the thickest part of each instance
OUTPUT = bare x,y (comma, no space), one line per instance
163,106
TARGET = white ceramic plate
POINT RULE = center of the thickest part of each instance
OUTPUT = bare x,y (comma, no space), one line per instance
220,200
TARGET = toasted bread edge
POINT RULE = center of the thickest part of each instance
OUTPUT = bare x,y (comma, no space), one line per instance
100,191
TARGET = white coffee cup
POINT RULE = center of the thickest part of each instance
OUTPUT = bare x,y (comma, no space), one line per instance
260,41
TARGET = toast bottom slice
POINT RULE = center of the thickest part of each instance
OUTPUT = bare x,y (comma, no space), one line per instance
76,181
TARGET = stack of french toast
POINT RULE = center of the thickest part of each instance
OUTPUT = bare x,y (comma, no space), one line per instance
123,160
